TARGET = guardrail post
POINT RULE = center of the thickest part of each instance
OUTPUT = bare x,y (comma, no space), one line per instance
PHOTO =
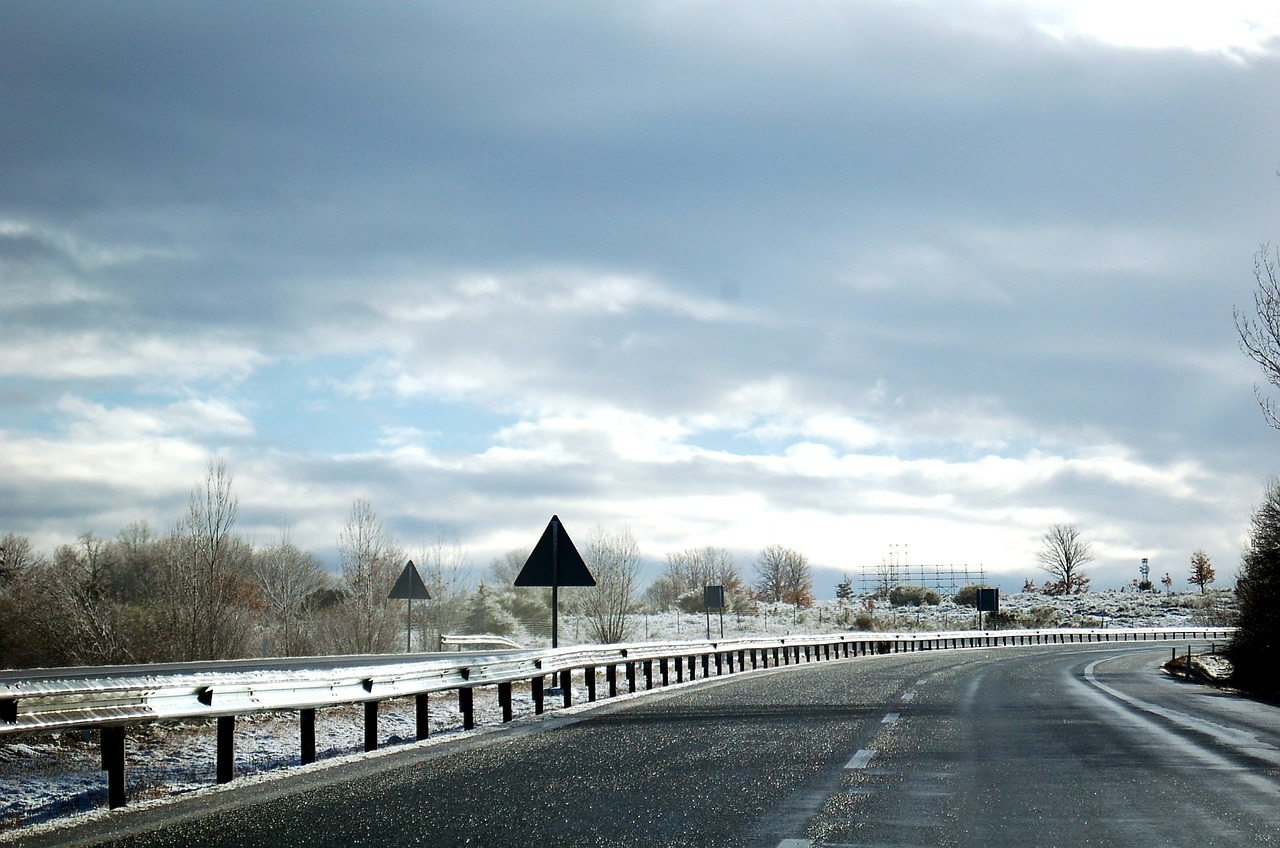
706,665
631,675
611,676
664,671
566,686
307,735
113,765
535,689
719,664
466,705
421,716
504,701
590,674
679,669
648,674
226,748
371,725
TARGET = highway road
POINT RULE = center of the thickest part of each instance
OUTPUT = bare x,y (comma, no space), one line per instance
1085,745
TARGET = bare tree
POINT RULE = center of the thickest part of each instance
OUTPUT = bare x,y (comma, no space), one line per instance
138,554
1202,570
1260,333
785,575
799,579
686,573
613,558
370,565
445,566
38,598
288,580
886,577
1062,552
16,556
18,560
770,573
209,597
93,623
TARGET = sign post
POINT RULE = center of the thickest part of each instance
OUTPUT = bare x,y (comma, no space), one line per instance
713,598
555,562
409,587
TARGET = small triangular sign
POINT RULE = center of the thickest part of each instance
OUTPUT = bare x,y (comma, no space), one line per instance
555,561
409,586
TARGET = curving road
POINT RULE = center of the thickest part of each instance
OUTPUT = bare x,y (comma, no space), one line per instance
1062,746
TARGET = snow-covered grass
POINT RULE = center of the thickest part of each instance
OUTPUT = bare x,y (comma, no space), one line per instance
58,776
1025,609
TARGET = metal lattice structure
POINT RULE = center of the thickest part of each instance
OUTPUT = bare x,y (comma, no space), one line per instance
946,579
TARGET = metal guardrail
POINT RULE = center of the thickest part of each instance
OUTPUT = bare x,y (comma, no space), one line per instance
460,641
112,698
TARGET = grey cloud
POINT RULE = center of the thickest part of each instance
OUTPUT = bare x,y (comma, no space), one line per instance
274,175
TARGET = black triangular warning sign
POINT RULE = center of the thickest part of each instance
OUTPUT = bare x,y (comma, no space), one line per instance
555,561
409,586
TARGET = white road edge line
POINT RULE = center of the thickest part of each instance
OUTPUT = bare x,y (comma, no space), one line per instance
1242,741
861,759
889,718
1133,714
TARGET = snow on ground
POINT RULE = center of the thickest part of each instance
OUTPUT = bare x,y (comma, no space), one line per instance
57,776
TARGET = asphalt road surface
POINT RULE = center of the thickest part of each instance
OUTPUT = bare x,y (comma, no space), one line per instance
1083,745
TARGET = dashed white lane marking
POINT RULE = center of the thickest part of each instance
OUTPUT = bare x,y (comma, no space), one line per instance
908,696
889,718
861,759
795,843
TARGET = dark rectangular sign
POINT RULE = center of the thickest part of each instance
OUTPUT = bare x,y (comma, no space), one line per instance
713,597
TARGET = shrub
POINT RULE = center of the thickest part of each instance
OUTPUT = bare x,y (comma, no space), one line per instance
968,595
913,596
1039,617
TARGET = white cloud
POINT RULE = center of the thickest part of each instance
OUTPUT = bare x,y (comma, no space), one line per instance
478,298
1236,28
54,354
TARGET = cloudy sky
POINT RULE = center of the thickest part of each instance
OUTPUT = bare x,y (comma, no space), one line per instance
866,279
